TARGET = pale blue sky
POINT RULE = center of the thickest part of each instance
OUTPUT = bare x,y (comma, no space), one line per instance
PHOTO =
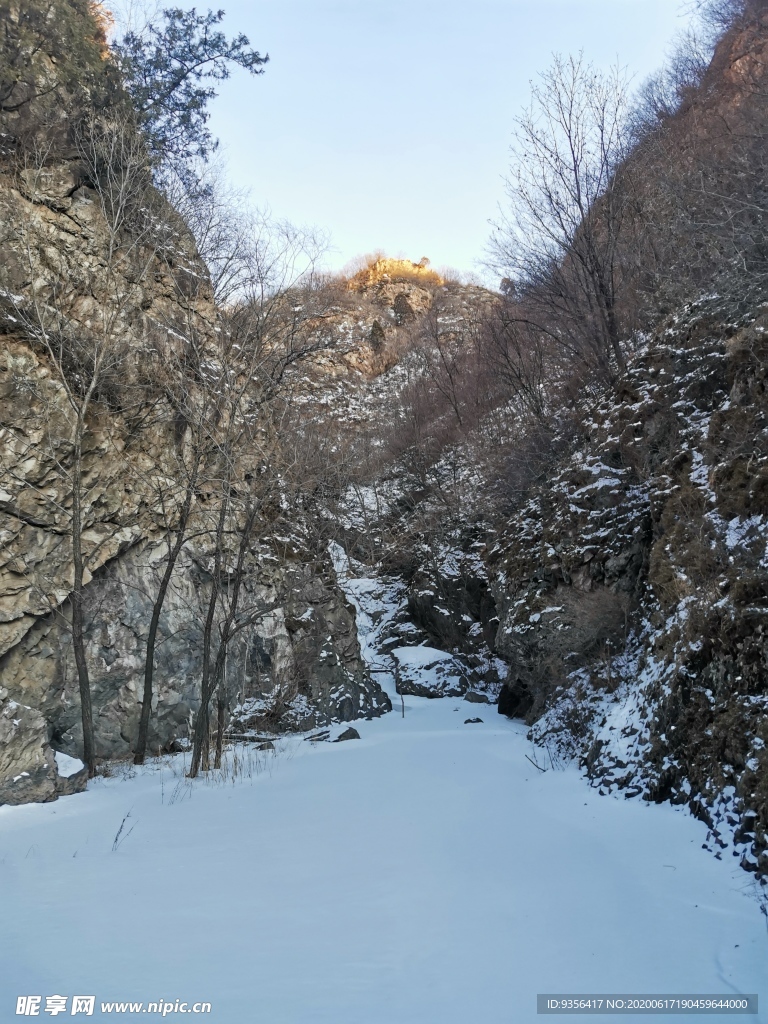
388,123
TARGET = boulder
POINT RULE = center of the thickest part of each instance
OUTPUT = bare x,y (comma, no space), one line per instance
27,765
475,697
428,672
348,734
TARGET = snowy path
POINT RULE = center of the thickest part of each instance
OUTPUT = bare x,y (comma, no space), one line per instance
425,873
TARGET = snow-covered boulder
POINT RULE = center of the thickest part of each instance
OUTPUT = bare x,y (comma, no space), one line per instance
427,672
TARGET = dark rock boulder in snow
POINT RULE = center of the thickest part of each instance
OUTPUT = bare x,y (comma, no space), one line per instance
348,734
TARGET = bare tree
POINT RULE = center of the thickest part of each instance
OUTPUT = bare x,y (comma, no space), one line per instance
234,620
175,496
280,318
558,240
720,15
518,357
701,158
445,350
222,222
662,95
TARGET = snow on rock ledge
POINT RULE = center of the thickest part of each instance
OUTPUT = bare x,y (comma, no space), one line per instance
427,672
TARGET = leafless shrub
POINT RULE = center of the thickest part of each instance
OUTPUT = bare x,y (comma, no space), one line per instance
720,15
558,239
666,91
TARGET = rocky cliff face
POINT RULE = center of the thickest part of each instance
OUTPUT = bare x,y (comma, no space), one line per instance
300,661
631,587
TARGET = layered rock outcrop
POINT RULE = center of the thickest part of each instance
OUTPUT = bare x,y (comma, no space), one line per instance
101,288
303,646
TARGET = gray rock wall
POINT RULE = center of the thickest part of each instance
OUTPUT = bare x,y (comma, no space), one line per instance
300,658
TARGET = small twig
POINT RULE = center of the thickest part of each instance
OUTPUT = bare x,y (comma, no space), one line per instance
117,840
536,765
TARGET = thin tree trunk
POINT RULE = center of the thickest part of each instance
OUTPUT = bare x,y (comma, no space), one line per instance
616,342
212,680
221,707
78,638
149,664
234,586
200,741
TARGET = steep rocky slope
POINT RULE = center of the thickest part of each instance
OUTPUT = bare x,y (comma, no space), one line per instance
614,578
632,587
622,600
72,274
125,548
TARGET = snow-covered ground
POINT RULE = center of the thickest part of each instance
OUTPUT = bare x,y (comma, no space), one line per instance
427,872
